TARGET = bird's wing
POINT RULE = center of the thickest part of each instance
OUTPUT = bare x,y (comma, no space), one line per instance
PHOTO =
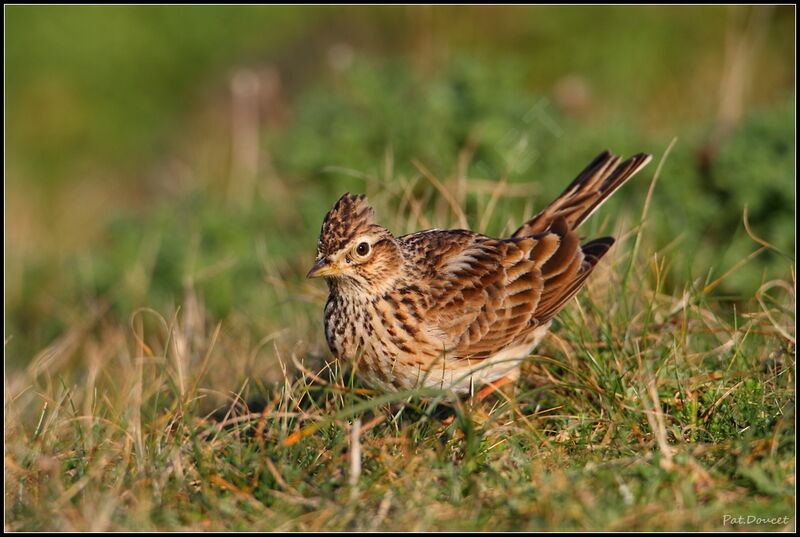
484,294
492,292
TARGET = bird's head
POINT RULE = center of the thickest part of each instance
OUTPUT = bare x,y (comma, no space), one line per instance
353,252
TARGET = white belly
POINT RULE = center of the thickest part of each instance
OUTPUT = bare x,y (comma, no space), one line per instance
505,363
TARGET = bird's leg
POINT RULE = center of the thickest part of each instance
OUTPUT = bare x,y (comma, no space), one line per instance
487,390
492,387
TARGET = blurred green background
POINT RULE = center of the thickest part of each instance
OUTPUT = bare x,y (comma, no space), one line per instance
155,149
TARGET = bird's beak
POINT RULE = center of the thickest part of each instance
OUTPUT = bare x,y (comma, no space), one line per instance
322,268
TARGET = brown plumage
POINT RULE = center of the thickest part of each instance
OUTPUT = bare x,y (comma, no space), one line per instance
453,308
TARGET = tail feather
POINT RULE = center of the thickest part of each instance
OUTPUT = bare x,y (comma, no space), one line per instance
593,186
559,290
594,250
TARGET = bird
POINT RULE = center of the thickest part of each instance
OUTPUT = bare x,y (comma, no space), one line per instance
454,309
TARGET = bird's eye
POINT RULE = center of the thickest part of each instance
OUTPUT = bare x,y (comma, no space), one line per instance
362,249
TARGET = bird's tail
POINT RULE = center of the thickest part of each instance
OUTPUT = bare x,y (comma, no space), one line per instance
601,178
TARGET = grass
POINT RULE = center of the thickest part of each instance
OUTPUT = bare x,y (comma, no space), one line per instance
646,409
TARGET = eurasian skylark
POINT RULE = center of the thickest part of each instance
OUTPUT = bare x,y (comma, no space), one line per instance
451,308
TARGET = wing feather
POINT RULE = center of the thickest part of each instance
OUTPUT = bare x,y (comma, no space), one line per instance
485,293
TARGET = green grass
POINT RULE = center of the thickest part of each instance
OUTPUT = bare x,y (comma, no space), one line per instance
165,360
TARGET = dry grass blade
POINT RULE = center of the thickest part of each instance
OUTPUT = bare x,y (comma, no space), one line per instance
355,458
446,194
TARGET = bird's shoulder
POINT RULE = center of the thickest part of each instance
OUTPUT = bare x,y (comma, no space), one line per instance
429,250
434,253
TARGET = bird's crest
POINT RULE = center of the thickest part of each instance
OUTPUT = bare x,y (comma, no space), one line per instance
349,217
